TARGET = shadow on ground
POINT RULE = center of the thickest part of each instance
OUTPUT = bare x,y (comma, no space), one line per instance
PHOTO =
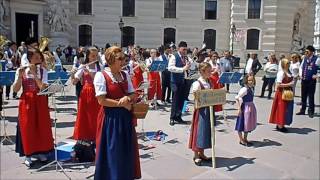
264,143
229,163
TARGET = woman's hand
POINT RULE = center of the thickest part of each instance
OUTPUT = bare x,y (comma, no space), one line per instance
128,106
33,69
124,100
20,72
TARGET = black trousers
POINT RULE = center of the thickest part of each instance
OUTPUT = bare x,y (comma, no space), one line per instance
1,98
8,89
165,78
188,84
178,90
308,88
269,82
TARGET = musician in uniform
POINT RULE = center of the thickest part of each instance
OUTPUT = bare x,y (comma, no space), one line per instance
34,135
135,69
10,56
88,106
165,76
178,65
154,78
308,73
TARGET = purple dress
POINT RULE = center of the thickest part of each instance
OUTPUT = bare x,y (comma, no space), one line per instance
247,120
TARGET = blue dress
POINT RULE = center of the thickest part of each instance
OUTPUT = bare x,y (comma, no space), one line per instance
117,150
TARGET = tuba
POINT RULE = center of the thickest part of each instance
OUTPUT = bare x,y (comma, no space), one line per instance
48,57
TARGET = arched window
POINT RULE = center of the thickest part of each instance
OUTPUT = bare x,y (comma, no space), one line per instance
254,7
128,36
253,36
128,8
210,38
169,35
85,7
170,8
85,35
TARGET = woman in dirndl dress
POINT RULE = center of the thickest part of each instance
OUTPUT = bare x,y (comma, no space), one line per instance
214,78
282,110
117,145
136,70
200,135
85,128
34,135
247,113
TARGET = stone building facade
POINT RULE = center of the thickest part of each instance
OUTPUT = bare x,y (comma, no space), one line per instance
260,26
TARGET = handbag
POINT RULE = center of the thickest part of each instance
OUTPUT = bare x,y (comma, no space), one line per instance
287,95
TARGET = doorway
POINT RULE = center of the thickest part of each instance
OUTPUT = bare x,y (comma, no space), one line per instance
26,27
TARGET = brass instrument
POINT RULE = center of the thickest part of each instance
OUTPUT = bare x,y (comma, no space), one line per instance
3,42
48,57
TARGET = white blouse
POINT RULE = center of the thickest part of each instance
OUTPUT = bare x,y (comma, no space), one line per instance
196,85
100,82
280,76
28,75
294,69
243,91
80,72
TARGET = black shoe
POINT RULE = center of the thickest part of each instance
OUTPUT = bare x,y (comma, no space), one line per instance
311,114
168,101
15,97
261,96
197,161
300,113
284,130
180,121
171,122
7,98
243,144
269,97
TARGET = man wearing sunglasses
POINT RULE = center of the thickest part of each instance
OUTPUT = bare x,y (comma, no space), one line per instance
308,73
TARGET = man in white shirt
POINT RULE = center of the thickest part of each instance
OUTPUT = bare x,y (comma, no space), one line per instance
178,65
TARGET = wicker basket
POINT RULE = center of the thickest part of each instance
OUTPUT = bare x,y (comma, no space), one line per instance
140,110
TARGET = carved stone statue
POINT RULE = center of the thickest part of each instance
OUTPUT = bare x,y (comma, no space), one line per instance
57,17
297,45
4,12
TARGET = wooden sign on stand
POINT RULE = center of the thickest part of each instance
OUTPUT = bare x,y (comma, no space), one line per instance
208,98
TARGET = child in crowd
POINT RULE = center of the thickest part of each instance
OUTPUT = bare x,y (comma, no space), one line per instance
247,114
200,136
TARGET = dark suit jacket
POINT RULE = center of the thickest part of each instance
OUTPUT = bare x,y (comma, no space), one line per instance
256,66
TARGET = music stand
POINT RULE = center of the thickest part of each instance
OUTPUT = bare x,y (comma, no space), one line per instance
225,78
142,87
52,89
6,78
158,66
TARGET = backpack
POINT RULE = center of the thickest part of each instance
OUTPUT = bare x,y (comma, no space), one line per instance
84,151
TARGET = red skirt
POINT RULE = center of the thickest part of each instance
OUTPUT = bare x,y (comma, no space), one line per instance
137,78
35,123
281,111
88,108
214,79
